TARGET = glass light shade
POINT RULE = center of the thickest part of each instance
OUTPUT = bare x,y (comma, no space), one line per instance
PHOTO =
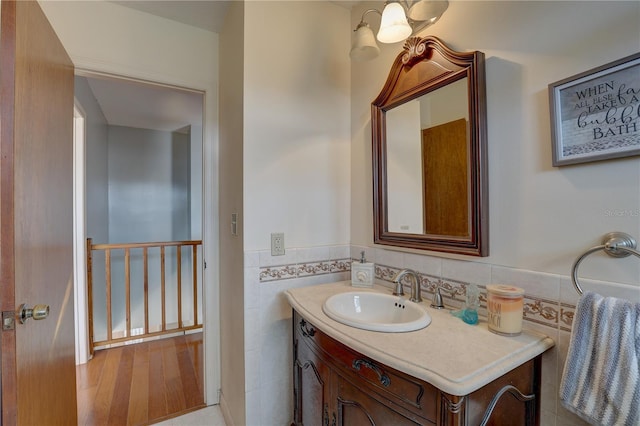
364,46
428,10
393,25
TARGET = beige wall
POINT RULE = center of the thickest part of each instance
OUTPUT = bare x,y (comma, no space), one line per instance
296,123
299,115
296,175
541,217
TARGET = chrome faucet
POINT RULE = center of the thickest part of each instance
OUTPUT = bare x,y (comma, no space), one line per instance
416,295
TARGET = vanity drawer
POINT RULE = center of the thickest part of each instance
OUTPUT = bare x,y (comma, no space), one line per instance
399,390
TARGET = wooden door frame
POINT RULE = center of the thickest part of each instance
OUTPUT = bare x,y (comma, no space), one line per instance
210,308
8,373
79,233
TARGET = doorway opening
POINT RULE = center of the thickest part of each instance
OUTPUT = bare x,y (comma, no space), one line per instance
138,180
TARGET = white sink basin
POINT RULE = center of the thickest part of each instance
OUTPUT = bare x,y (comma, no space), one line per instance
376,312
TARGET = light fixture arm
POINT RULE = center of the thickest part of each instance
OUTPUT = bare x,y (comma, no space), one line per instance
416,25
362,21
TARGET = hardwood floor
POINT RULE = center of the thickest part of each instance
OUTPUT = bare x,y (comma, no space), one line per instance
142,383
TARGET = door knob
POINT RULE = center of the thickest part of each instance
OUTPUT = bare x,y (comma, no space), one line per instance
38,312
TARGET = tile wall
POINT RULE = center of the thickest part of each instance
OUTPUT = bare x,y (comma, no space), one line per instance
550,302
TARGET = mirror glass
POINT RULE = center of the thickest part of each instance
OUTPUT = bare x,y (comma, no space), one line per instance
427,163
429,151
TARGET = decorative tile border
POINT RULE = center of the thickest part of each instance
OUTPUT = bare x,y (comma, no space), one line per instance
567,312
307,269
536,310
325,267
541,311
276,273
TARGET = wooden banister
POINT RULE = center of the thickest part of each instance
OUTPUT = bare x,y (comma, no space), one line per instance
129,249
152,244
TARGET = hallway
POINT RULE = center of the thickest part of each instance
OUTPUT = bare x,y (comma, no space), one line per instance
142,383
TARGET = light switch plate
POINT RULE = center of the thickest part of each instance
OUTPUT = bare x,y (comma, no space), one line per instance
234,223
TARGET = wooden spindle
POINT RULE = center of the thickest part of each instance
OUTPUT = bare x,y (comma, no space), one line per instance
107,267
145,262
162,292
195,285
127,290
90,293
179,285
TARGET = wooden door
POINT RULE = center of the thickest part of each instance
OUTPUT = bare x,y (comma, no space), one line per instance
445,168
36,219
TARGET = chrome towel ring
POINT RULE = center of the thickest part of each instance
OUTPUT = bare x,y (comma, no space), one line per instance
615,244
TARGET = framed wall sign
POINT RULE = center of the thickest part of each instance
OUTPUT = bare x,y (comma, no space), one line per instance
595,115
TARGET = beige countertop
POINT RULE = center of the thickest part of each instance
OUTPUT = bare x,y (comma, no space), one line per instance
456,357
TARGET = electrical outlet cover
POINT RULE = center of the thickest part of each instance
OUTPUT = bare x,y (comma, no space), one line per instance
277,244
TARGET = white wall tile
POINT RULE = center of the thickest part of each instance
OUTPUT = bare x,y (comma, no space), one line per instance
549,398
534,283
252,329
389,258
424,264
324,278
547,418
550,357
276,353
562,345
468,272
273,302
289,257
251,259
252,369
568,293
252,289
369,253
567,418
340,252
276,403
253,411
313,254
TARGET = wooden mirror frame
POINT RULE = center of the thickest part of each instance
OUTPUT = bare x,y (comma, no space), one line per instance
424,65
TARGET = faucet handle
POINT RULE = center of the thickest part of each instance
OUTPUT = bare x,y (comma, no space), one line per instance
399,290
437,300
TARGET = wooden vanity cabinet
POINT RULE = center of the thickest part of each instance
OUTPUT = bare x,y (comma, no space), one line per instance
337,386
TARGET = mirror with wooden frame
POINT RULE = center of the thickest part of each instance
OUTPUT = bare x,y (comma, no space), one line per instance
430,151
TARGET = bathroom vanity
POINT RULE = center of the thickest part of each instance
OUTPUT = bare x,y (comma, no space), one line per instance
449,373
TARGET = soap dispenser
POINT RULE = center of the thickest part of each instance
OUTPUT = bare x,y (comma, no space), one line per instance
362,273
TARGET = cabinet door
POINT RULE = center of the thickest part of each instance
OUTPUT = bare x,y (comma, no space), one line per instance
311,377
357,407
512,399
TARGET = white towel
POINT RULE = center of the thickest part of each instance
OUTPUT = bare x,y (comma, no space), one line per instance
601,378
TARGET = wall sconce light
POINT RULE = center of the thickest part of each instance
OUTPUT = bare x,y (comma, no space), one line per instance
400,19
